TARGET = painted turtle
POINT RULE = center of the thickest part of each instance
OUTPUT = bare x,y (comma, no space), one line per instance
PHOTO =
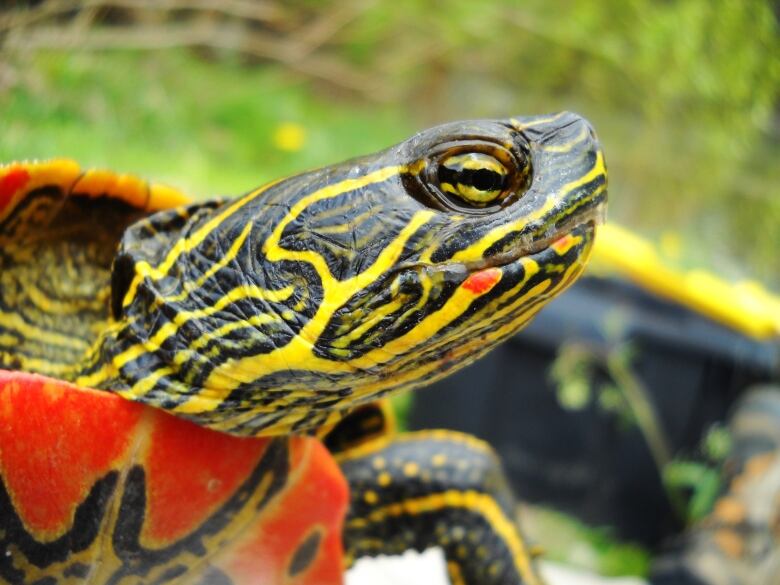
166,364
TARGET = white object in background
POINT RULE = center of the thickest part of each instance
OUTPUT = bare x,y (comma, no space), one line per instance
556,574
430,568
410,568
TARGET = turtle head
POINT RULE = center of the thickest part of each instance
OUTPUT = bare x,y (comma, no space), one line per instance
482,223
278,311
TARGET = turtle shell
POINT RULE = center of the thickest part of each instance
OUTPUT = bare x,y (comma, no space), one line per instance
98,489
59,230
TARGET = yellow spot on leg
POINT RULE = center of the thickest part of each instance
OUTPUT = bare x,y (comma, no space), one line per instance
455,574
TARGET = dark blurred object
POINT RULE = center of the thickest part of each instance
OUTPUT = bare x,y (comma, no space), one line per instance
604,388
739,541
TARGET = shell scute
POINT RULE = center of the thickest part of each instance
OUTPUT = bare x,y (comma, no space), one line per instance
96,485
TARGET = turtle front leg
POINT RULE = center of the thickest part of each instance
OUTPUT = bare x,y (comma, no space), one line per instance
436,488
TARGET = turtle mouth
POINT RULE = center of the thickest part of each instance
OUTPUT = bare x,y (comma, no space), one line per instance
559,238
541,249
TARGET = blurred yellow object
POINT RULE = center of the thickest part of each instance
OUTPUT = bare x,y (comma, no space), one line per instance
289,137
745,306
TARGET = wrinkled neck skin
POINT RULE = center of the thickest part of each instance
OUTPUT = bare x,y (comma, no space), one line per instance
279,311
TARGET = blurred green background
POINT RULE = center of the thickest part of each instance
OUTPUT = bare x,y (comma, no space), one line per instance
219,96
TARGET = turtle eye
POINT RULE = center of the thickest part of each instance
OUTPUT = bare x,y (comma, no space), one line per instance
475,177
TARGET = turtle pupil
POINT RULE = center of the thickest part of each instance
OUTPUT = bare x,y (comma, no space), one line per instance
486,180
475,178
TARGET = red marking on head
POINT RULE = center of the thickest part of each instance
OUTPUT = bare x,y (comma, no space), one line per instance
482,281
563,244
10,183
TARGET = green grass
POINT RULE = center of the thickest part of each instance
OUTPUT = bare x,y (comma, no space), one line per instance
205,126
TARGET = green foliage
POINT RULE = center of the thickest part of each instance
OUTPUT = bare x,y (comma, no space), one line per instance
571,374
703,483
402,406
701,477
691,483
717,443
572,542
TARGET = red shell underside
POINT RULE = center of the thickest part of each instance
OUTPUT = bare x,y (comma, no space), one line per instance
254,510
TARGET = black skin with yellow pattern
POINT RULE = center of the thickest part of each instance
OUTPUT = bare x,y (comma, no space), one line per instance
426,489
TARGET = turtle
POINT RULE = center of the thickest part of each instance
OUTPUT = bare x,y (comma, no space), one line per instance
195,392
